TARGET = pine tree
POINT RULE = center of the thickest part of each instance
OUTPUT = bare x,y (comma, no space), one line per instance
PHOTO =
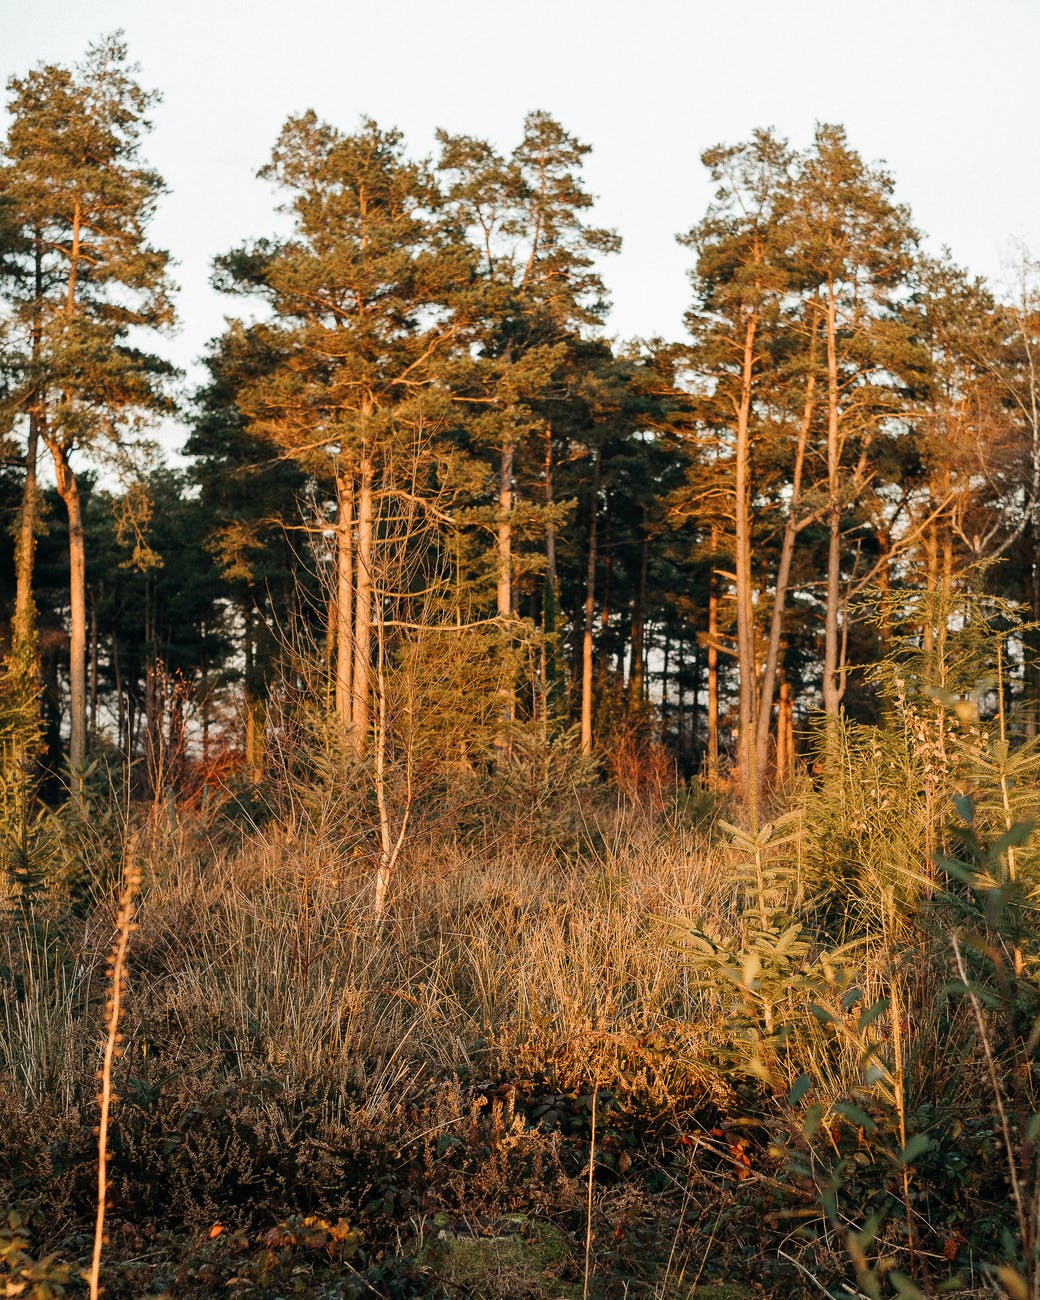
854,247
82,278
741,281
538,296
365,297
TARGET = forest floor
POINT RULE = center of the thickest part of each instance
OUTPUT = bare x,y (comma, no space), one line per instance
594,1048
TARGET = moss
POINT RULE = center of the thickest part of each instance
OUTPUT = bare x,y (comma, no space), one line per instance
527,1260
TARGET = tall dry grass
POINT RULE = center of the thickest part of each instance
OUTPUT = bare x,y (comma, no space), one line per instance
758,1020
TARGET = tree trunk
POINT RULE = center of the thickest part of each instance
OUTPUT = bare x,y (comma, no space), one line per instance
362,672
945,591
23,639
1032,639
251,703
554,685
713,670
931,586
833,687
590,610
785,733
748,685
783,577
68,490
23,665
93,667
608,573
637,673
344,599
550,529
25,549
665,671
680,703
504,605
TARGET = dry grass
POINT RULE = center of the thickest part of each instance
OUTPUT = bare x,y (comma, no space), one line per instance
283,1055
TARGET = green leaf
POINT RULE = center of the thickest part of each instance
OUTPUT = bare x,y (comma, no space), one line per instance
1033,1128
984,995
962,871
904,1288
850,999
871,1014
965,807
915,1146
855,1116
798,1090
1018,834
813,1118
821,1013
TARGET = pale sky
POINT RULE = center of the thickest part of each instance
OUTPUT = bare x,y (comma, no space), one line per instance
945,92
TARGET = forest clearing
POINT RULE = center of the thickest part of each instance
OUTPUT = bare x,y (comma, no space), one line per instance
498,810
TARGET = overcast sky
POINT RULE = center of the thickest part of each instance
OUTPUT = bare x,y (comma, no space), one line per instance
946,92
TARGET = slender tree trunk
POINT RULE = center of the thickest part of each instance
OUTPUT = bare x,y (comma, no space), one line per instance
665,669
93,666
680,703
832,685
1031,674
68,490
251,703
931,586
785,733
204,700
590,610
122,729
783,577
362,672
637,673
25,547
713,670
553,687
24,631
550,529
22,675
504,602
608,573
945,588
344,598
748,764
505,533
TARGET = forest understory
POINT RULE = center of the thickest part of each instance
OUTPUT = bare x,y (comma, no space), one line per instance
598,1043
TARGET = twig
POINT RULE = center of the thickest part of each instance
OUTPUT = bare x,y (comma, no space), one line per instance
814,1280
588,1202
998,1095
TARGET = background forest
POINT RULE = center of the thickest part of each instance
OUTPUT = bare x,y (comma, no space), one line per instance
571,800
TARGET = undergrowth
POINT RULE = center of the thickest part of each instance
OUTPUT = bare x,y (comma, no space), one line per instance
801,1058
